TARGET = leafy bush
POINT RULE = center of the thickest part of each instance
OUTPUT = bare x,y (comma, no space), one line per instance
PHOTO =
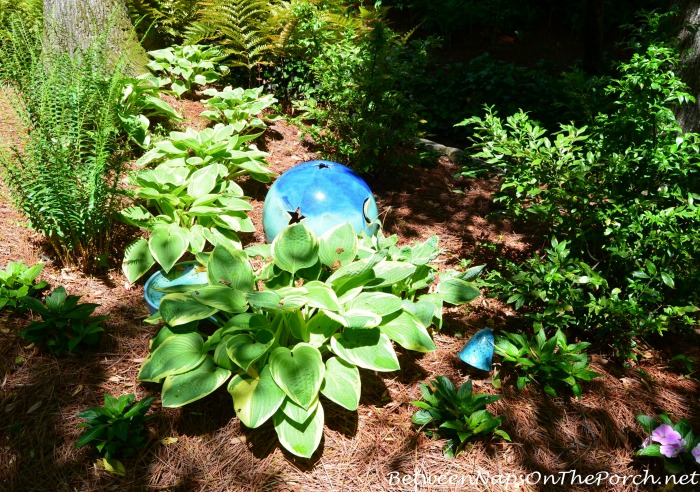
622,193
676,443
17,281
115,429
299,326
551,362
188,66
237,107
64,178
457,415
64,325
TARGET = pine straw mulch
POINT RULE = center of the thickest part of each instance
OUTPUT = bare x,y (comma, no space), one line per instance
366,450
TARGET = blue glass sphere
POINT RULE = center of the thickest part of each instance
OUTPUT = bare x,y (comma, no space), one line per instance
322,194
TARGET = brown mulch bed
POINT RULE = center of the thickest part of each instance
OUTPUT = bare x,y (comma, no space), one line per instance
372,449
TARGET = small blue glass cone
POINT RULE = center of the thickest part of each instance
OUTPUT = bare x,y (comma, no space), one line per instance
478,352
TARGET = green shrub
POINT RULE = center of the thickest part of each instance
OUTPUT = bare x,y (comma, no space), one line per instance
299,326
65,325
115,429
65,175
17,281
188,66
456,415
238,107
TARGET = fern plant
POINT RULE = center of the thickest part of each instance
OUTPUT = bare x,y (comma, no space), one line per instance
65,176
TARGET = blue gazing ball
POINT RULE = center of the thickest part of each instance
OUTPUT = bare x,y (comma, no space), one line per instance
322,194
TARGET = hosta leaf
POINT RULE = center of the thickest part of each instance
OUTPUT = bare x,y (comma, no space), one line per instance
298,372
368,348
255,399
408,331
177,354
338,246
388,273
457,291
181,389
244,350
380,303
137,260
222,298
295,248
341,383
230,268
179,309
322,296
300,439
203,181
167,245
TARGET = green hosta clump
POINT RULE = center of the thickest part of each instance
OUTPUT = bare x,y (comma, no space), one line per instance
17,281
299,327
140,102
238,107
457,415
188,66
115,429
551,362
65,325
220,144
183,208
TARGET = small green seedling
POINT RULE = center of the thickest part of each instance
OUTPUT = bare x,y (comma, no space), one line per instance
17,281
456,415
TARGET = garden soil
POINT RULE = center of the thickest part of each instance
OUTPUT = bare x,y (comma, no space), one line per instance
203,447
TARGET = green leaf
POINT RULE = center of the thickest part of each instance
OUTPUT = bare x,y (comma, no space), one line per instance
167,245
406,329
341,383
295,248
255,400
667,279
651,450
300,439
321,296
177,354
298,372
368,348
179,309
203,181
380,303
184,388
230,268
647,423
388,273
222,298
338,246
244,350
457,291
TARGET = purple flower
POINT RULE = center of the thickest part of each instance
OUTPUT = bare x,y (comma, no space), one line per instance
671,450
664,434
696,453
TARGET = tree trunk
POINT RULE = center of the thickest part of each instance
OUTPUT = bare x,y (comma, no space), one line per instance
688,115
72,25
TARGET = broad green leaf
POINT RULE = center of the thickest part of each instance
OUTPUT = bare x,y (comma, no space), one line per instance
296,413
264,299
367,348
388,273
244,350
407,330
294,248
380,303
457,291
342,383
338,246
177,354
298,372
255,399
178,309
137,260
230,268
321,296
181,389
222,298
300,439
167,245
203,181
356,318
320,328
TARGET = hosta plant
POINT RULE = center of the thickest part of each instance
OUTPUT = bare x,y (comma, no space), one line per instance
183,208
65,325
188,66
458,415
140,102
115,429
238,107
17,281
300,326
220,144
675,443
551,362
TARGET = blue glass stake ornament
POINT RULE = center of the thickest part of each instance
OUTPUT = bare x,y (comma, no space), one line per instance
478,352
323,194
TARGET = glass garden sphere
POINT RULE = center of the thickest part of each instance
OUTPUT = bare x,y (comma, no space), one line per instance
322,194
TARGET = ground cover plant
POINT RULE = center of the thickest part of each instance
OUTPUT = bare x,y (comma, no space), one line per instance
267,314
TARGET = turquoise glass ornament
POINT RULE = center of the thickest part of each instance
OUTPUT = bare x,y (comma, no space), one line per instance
478,352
